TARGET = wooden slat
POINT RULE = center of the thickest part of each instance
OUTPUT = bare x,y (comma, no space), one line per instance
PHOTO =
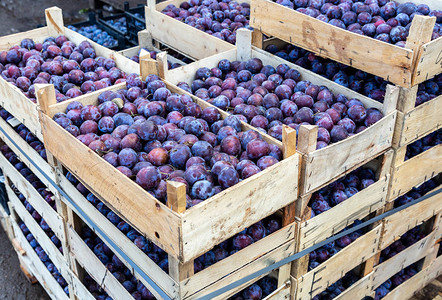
415,171
33,197
247,256
395,226
326,164
37,35
403,259
334,220
408,288
318,279
422,120
139,208
429,61
358,290
95,268
385,60
254,193
126,246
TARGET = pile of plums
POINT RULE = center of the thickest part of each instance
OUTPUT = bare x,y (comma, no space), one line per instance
407,239
44,258
259,290
119,23
238,242
153,135
153,55
359,81
395,281
218,18
417,192
340,190
29,176
115,266
320,255
384,20
73,70
96,34
268,97
424,144
338,287
26,135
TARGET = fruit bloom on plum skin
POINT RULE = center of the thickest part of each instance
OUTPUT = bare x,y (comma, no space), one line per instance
74,70
384,20
218,18
417,192
228,247
268,97
359,81
155,142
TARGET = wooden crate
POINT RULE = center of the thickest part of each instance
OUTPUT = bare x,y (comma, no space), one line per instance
21,107
149,216
357,253
402,66
180,36
367,201
406,174
320,167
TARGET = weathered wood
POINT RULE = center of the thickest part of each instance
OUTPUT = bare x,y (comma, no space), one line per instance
382,59
358,290
54,21
307,138
243,44
176,196
429,61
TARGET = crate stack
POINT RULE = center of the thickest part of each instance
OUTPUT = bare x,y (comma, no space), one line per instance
69,206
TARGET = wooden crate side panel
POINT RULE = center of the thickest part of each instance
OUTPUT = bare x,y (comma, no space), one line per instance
37,35
281,293
54,220
400,222
387,61
318,279
324,165
18,105
38,269
429,61
433,4
421,121
246,256
435,269
358,290
79,289
192,42
241,205
87,259
403,259
128,247
126,198
334,220
407,289
268,259
415,171
38,233
30,152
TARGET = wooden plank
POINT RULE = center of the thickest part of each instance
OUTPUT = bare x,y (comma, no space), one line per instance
33,197
326,164
318,279
382,59
37,35
38,269
95,268
139,209
126,246
247,256
243,44
429,61
403,259
358,290
334,220
407,289
254,193
415,171
278,254
394,225
283,292
421,121
54,21
187,39
433,4
30,152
